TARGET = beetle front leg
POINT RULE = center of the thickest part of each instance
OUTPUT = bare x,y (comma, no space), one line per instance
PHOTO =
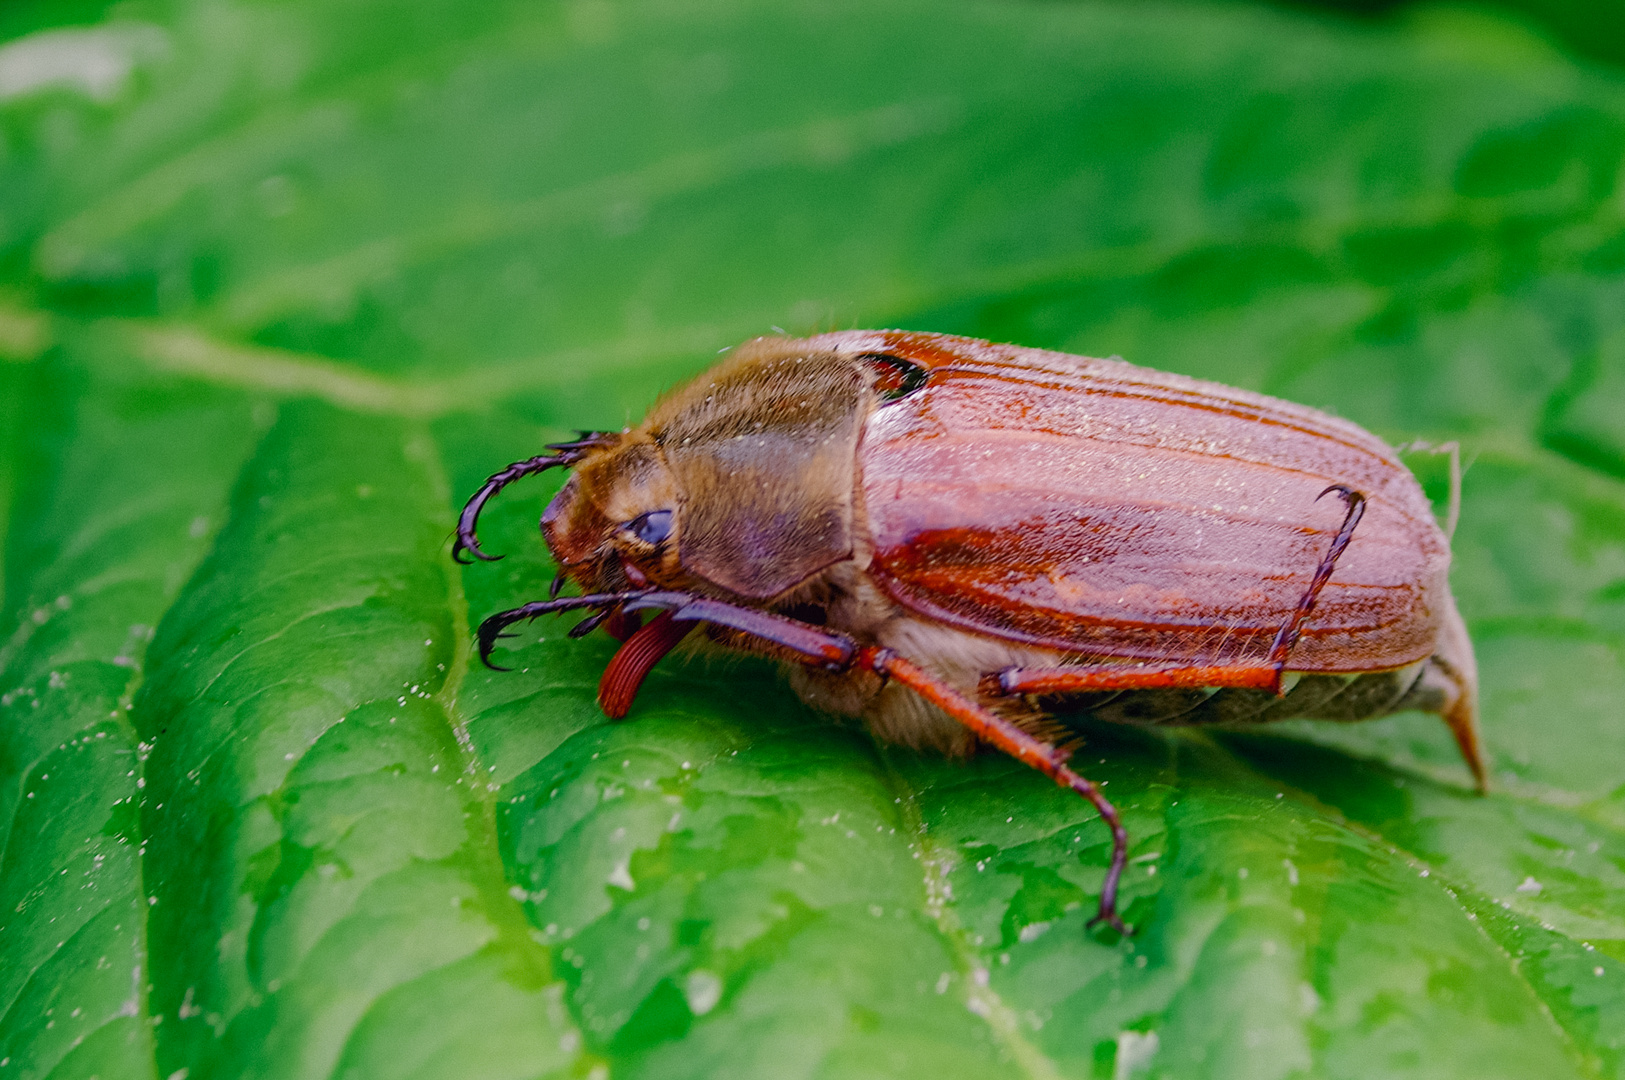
817,646
644,646
1047,758
564,454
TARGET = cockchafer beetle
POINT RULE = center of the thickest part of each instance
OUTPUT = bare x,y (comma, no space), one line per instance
941,535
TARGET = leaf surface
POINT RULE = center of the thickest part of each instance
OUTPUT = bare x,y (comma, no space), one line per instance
282,285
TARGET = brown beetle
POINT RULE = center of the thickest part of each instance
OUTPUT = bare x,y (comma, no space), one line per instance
938,534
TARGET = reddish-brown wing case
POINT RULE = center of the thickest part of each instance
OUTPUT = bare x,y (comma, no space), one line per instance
1097,507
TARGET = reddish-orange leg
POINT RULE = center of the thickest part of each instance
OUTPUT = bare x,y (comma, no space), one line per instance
1047,758
1263,675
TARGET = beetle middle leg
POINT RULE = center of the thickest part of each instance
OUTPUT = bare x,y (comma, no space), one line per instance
1046,757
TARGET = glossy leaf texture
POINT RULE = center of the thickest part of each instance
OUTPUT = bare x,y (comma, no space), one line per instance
280,285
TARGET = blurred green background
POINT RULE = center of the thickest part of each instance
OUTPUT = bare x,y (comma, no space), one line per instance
280,283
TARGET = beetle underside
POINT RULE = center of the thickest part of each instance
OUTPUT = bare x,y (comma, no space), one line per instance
742,505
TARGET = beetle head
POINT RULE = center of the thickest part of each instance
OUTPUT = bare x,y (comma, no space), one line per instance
614,524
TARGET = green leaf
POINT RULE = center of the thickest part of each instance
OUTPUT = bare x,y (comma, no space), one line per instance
280,285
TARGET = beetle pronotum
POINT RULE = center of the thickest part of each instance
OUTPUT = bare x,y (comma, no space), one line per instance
938,534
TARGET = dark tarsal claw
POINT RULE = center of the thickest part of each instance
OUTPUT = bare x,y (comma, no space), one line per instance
1111,919
489,633
469,544
589,624
1350,496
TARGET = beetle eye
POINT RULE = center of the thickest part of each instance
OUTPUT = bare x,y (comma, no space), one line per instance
652,527
895,377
